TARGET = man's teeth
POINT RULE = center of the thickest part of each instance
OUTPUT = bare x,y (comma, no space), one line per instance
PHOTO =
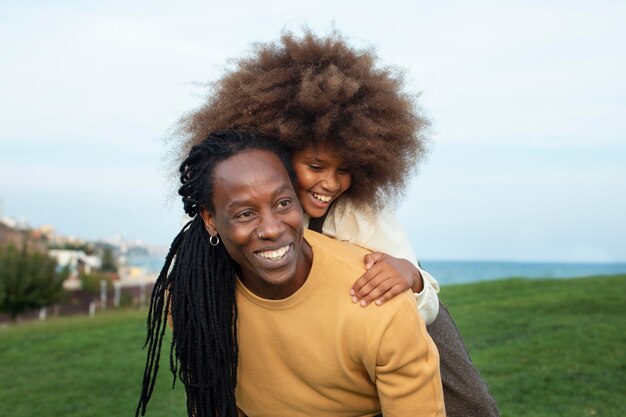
322,198
274,255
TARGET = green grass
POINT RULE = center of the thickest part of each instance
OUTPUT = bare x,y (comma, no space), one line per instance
81,366
545,347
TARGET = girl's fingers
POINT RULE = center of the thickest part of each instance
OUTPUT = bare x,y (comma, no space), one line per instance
371,258
368,281
360,289
392,292
377,292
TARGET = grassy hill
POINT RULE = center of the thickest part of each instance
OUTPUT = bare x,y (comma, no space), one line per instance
545,347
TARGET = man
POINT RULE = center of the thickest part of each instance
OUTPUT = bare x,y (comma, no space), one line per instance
304,348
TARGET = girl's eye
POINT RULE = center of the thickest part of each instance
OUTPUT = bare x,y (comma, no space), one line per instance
314,167
343,170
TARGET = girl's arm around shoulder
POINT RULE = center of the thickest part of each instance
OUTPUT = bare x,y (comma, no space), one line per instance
392,268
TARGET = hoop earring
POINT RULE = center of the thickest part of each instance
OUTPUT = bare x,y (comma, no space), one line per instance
214,240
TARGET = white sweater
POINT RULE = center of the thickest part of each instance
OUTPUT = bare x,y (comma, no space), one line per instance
380,232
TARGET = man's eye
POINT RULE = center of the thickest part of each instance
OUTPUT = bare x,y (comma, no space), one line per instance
244,215
284,203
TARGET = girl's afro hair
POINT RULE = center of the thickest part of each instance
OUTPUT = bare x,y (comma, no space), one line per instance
319,91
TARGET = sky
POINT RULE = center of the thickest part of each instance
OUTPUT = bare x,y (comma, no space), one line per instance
527,152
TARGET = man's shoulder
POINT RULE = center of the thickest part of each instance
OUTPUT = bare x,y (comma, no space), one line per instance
337,250
344,261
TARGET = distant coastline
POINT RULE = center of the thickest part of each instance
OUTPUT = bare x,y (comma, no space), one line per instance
459,272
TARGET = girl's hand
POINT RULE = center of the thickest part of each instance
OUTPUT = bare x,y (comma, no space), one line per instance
384,278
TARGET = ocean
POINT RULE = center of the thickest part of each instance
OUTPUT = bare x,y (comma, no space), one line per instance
460,272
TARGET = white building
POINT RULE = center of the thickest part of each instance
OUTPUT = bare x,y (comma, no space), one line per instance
75,259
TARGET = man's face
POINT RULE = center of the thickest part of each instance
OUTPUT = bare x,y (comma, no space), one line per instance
259,221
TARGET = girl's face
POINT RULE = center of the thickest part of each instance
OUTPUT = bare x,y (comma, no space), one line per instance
322,177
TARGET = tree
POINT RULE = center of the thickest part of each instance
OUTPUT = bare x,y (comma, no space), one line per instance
109,263
28,280
91,282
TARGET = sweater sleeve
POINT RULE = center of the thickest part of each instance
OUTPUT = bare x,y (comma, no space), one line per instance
427,300
381,232
407,367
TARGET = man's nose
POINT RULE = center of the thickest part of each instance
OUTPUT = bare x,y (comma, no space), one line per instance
270,227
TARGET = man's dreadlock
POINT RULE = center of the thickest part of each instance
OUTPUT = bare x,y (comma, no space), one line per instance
197,292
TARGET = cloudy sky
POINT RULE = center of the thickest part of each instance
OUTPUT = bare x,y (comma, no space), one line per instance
527,102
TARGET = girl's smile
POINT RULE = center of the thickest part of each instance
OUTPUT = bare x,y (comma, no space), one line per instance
322,177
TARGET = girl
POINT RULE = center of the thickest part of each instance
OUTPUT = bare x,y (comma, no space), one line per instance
355,137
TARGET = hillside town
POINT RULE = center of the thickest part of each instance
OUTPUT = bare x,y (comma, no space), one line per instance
95,274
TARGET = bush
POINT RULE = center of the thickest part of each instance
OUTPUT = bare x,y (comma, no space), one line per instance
29,280
126,300
91,281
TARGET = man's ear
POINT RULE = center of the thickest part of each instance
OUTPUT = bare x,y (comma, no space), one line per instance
209,221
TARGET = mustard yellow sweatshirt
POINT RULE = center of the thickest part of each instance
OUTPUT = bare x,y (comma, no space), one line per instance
316,353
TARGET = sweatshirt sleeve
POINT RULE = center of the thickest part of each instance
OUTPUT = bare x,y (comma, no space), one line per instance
381,232
407,367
